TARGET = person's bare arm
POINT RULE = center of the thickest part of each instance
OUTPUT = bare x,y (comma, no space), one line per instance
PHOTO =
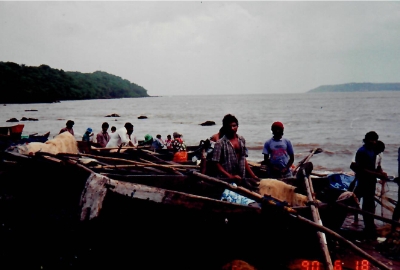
249,170
289,164
237,178
378,174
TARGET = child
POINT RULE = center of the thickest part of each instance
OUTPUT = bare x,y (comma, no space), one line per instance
278,153
168,142
87,135
113,129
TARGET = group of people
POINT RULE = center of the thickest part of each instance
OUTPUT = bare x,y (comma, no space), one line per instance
124,137
229,157
230,152
118,137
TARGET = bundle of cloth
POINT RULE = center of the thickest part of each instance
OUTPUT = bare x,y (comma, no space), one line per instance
282,191
62,143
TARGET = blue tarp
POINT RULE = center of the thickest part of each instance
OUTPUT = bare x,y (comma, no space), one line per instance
340,181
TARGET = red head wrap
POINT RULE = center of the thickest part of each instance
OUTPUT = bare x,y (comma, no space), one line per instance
278,125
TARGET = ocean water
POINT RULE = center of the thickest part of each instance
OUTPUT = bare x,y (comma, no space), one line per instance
335,122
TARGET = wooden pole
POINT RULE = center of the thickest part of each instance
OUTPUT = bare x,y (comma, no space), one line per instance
317,219
306,159
356,210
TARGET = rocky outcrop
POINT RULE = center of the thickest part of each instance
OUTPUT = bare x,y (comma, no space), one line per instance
208,123
142,117
28,119
12,120
113,115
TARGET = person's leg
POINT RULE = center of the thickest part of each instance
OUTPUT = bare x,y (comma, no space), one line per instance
358,192
369,206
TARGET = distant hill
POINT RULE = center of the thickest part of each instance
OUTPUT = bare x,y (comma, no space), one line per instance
357,87
24,84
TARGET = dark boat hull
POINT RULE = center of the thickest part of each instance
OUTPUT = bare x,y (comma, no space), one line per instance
42,210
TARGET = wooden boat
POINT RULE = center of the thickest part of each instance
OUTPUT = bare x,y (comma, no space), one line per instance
112,212
13,132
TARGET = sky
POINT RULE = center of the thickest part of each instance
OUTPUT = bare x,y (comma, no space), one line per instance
209,47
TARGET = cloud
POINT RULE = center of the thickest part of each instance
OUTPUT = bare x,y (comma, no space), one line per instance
173,48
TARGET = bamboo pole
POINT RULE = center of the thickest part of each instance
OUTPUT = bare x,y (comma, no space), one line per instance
317,219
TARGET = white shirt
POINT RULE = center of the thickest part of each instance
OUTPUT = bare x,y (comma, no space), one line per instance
121,137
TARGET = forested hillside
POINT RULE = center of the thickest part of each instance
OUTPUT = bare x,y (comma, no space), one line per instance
357,87
24,84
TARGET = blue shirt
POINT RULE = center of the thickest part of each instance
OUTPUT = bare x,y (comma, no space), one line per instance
279,151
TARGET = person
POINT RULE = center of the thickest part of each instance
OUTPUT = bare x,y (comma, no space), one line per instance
230,152
168,142
379,148
396,212
278,153
218,135
179,148
158,143
68,127
113,129
123,137
365,177
103,137
86,136
148,139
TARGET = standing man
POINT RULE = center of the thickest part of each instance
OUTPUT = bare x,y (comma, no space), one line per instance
123,137
278,153
68,127
365,175
103,137
230,153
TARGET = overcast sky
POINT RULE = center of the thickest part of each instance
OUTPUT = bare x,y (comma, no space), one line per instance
206,48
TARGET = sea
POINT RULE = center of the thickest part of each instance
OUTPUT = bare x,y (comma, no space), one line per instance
334,122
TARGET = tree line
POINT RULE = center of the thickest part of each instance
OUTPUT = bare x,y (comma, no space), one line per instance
26,84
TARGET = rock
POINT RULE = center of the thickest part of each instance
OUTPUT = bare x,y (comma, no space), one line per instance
142,117
12,120
208,123
113,115
28,119
31,110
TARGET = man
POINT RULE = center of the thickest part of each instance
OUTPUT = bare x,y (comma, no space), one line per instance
103,137
123,137
365,175
68,127
230,153
278,153
379,148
